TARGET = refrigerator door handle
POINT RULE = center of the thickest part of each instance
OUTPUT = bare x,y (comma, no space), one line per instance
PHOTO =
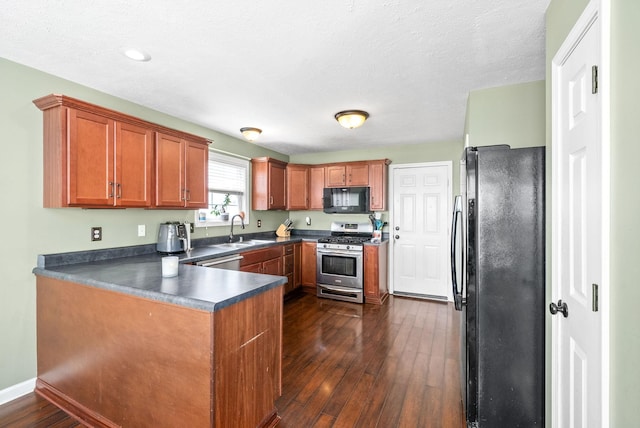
457,293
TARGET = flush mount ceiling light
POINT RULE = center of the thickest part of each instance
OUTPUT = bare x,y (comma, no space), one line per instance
351,118
251,134
137,55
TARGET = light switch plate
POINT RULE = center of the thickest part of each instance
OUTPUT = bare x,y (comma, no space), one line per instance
142,230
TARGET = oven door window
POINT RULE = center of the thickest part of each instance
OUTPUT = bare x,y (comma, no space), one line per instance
339,265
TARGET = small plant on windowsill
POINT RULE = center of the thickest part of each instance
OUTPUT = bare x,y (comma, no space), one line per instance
221,209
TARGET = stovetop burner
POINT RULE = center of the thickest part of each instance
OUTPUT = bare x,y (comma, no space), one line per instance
348,236
344,239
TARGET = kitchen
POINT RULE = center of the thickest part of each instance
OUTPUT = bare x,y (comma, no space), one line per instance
57,230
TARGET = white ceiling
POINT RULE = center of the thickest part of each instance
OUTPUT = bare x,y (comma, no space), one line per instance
287,66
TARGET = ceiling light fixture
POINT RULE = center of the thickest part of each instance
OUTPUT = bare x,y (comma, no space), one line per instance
251,134
137,55
351,118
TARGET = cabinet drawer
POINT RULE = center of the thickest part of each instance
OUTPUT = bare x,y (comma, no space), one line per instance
288,249
257,256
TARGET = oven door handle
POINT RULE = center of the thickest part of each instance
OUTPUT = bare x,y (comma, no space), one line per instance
342,289
340,252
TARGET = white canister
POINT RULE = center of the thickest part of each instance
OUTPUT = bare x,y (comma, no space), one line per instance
169,266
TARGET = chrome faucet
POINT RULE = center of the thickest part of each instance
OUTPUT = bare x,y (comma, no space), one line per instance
241,215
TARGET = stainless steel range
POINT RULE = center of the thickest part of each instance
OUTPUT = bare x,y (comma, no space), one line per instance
340,262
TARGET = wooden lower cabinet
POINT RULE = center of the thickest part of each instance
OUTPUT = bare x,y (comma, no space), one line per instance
113,359
288,266
266,260
375,273
308,268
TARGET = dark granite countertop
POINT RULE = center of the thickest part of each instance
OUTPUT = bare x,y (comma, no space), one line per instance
138,271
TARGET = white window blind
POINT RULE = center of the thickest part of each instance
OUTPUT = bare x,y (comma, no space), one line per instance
227,174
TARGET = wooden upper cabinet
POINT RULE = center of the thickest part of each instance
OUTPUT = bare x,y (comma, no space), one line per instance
90,159
297,187
269,184
378,184
133,165
96,157
181,172
316,186
197,174
347,174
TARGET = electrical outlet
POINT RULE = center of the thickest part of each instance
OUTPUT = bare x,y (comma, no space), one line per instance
142,230
192,227
259,223
96,234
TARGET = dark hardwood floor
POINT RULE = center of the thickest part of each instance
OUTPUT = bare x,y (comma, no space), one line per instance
345,365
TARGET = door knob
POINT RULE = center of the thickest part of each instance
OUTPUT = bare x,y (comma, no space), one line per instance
397,237
397,227
559,307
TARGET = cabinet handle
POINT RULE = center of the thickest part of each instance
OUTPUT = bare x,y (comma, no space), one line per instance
184,194
271,200
111,183
188,194
119,193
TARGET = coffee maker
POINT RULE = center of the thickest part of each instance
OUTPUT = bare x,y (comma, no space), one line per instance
174,237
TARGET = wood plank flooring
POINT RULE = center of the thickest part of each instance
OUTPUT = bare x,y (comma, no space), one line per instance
345,365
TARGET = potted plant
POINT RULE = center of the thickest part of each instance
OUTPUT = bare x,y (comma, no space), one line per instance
221,209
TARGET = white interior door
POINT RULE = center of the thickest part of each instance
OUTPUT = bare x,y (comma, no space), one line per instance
420,230
579,215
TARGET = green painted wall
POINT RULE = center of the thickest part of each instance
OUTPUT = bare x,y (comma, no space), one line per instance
31,230
513,115
625,205
624,345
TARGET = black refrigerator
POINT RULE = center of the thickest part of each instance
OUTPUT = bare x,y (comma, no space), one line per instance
498,280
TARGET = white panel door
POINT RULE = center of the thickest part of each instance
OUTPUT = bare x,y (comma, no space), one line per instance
420,230
577,235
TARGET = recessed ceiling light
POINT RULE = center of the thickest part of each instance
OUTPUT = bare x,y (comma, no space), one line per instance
137,55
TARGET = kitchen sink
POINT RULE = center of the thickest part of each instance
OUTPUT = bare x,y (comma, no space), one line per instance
257,241
243,244
233,245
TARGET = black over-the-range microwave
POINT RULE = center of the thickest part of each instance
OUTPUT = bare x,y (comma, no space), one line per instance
346,200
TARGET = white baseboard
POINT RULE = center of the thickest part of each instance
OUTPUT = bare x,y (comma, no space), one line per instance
17,390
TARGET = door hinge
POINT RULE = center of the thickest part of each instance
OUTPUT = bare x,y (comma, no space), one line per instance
594,297
594,79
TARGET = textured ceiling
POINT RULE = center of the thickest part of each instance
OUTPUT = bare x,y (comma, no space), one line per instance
288,66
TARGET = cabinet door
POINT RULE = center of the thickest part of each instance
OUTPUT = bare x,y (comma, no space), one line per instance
358,174
297,264
378,185
316,186
272,267
375,273
268,177
134,165
196,170
309,264
90,160
336,175
253,268
170,176
297,187
277,186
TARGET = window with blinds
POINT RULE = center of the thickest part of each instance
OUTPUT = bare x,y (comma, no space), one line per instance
228,190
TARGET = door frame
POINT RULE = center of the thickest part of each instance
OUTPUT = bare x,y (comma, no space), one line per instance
595,10
392,169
